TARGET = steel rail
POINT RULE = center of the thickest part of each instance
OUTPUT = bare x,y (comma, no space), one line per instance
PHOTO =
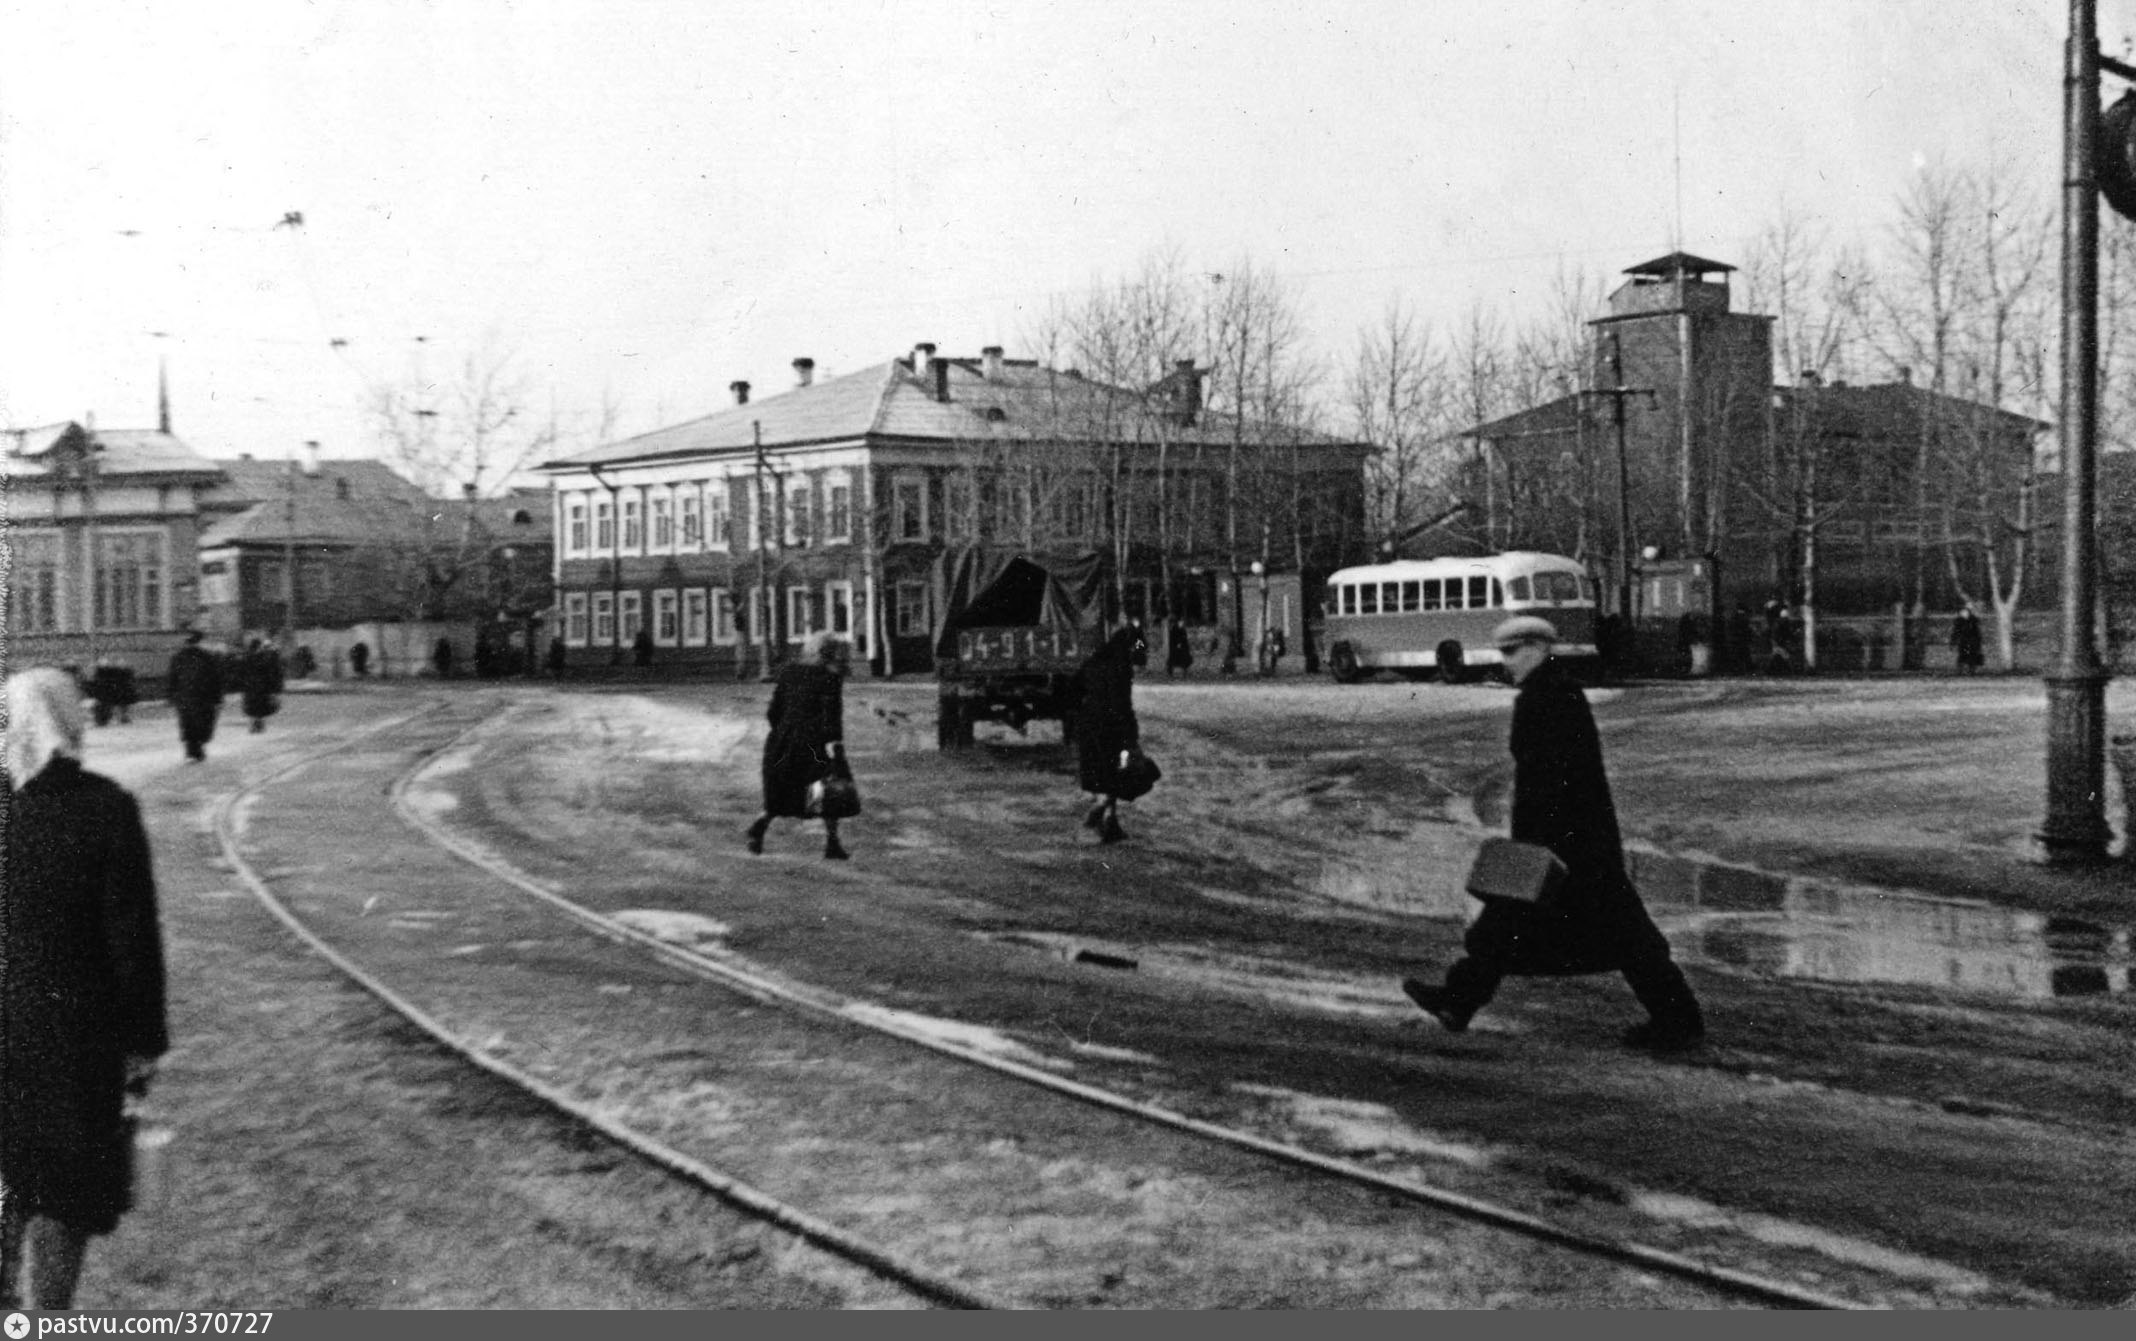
725,1186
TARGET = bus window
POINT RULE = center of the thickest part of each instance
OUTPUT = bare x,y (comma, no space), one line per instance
1562,588
1498,595
1368,599
1479,592
1453,593
1519,587
1348,594
1431,593
1390,598
1409,598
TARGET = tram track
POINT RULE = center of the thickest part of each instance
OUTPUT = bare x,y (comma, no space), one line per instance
767,988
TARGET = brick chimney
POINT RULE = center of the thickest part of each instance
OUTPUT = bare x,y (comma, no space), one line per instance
992,355
941,380
922,355
741,392
804,372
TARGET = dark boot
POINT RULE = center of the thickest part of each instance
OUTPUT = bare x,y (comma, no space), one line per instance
756,835
1095,817
1438,1003
833,850
1112,832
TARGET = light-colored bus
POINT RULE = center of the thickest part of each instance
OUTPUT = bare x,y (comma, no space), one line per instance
1420,617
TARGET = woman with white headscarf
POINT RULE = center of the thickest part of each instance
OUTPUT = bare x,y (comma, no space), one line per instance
81,986
807,739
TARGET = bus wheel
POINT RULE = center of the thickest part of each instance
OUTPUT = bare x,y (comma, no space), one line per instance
1451,669
1342,662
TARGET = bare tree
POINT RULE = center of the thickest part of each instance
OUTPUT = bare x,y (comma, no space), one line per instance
1399,400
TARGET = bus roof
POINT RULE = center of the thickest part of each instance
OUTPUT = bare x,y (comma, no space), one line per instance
1514,561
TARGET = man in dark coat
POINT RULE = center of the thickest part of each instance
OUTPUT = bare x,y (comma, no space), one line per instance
195,687
260,686
1179,653
807,739
81,992
1594,922
1103,698
1965,640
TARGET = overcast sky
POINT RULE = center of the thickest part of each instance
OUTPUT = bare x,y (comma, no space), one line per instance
651,199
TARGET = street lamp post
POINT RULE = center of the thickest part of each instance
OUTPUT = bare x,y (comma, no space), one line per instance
615,566
1261,642
2074,830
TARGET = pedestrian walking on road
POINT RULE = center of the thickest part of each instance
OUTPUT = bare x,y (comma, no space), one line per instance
1594,922
1965,640
81,991
1179,651
260,683
360,659
112,691
194,686
807,740
641,649
441,658
1102,697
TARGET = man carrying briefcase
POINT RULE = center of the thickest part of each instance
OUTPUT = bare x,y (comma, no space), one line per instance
1592,920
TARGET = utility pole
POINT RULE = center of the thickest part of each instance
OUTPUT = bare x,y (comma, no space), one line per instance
760,517
1617,395
2075,829
615,566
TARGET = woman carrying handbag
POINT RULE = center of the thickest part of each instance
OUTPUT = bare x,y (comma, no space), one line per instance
1107,737
807,743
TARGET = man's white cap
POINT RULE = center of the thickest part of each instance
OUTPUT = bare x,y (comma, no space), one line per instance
1525,629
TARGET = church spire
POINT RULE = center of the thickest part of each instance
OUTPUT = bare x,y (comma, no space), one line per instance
163,396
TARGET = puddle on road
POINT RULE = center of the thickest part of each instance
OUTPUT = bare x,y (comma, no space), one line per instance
1735,917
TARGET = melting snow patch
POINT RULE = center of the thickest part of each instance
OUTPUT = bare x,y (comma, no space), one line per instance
1105,1054
1789,1234
1368,1129
430,804
445,765
673,927
970,1037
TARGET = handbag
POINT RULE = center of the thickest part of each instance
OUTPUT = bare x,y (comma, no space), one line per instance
1136,775
832,798
1521,872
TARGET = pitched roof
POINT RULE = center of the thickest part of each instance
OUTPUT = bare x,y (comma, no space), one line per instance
346,502
1894,410
119,451
1678,260
1020,401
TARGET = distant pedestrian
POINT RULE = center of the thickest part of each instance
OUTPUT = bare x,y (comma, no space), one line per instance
1965,640
556,656
194,686
441,658
1278,647
1103,697
81,991
260,683
1594,922
303,664
641,649
112,692
360,660
1179,651
1739,637
807,739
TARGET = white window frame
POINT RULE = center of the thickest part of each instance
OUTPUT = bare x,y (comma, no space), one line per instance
634,521
800,507
577,525
899,514
667,617
57,591
758,614
157,615
719,520
630,613
604,620
837,516
899,605
798,604
604,525
693,617
660,521
838,609
724,633
690,534
575,626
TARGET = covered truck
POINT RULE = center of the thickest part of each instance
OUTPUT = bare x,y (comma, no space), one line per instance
1015,626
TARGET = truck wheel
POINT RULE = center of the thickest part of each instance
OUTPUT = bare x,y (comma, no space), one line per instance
953,730
1342,663
1451,668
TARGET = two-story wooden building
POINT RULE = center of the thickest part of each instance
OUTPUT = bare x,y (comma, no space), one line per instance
735,535
100,529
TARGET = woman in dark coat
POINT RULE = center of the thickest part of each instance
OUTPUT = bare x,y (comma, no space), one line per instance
807,740
1103,692
1594,922
1179,652
261,686
81,987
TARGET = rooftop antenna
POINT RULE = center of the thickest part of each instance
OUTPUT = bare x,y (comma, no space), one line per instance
1676,113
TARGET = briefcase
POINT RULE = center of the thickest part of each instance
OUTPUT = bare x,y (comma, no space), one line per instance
1522,872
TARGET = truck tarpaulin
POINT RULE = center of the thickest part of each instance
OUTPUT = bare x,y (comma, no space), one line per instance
989,585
